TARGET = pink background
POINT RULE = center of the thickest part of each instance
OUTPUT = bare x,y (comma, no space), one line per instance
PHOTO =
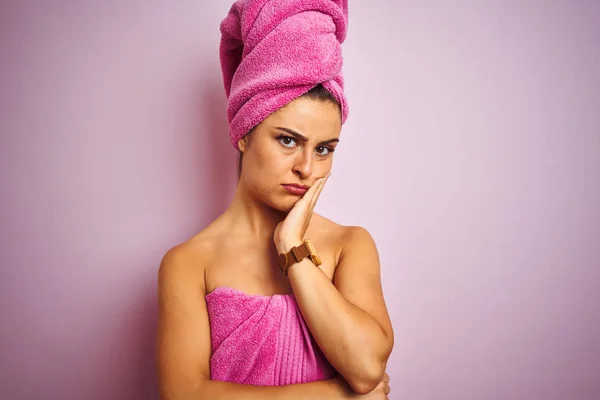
472,154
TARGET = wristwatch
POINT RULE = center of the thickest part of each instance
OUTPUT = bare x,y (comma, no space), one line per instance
297,254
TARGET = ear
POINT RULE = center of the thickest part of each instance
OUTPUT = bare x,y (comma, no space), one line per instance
243,144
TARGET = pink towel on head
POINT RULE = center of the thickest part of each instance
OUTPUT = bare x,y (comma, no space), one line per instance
273,51
262,340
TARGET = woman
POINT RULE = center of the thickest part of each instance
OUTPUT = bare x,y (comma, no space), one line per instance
248,308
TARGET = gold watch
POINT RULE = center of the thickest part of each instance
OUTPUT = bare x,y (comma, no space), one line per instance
297,254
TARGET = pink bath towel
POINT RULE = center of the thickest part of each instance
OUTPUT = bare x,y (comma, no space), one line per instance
273,51
262,340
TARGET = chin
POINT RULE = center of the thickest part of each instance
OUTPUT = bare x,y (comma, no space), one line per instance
283,203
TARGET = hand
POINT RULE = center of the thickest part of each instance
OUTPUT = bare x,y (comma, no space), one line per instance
290,232
380,392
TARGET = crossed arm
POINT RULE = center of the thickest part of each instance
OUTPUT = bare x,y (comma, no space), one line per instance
347,318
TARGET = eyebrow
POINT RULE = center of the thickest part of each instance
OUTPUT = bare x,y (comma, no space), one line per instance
304,138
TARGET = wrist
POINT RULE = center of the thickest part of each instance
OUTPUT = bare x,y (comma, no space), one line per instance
287,245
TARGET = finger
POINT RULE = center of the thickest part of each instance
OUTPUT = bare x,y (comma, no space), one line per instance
320,187
314,188
386,377
306,198
310,193
317,192
386,389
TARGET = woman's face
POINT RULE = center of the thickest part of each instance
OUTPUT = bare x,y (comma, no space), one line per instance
290,149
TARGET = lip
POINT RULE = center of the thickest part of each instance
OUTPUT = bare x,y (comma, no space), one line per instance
295,189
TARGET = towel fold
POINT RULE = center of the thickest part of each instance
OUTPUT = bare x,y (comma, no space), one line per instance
262,340
273,51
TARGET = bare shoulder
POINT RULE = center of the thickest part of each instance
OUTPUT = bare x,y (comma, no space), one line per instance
186,261
344,236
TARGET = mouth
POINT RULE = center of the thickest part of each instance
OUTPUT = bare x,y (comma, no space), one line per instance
298,190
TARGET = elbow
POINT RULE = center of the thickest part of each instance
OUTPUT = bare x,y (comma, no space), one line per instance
367,380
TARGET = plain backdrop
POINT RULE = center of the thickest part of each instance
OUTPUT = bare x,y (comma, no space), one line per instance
472,155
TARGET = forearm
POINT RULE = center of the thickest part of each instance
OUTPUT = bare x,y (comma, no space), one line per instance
332,389
353,341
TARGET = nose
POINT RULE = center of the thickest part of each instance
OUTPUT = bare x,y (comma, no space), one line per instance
303,164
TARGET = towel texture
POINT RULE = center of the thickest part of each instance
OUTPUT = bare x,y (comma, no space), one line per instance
273,51
262,340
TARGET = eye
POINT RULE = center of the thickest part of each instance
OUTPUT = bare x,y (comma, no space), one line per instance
324,150
287,141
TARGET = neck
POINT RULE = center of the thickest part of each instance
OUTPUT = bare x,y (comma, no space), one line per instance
253,218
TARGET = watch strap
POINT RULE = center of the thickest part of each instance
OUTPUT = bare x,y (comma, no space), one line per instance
297,254
300,252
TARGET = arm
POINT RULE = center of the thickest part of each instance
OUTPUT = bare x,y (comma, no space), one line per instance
184,349
348,318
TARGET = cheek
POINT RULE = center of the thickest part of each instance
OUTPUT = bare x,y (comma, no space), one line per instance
265,170
272,162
